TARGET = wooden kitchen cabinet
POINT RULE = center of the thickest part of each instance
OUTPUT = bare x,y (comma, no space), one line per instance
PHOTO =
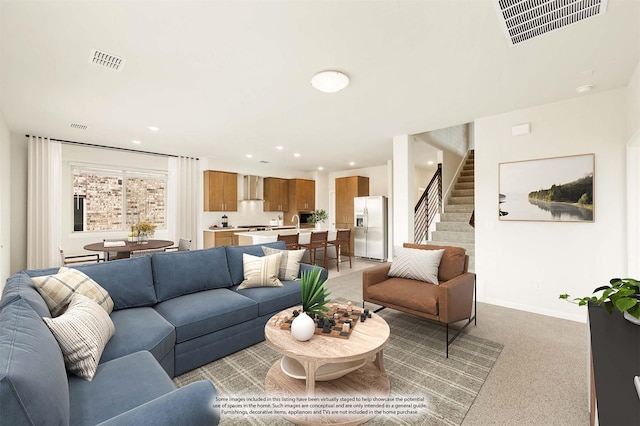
221,238
302,195
220,191
347,188
276,195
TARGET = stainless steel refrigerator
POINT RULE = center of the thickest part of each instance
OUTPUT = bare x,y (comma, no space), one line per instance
370,236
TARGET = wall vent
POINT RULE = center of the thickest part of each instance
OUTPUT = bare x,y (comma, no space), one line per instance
78,126
523,20
106,60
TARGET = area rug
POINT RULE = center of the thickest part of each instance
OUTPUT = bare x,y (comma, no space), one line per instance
414,360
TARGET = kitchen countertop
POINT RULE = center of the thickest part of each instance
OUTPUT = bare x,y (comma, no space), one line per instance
262,237
243,230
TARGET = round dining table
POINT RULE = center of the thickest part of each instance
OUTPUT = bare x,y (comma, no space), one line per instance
125,251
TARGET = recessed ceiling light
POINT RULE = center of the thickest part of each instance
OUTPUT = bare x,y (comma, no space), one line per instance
429,162
584,89
154,128
296,155
137,142
249,155
320,168
279,147
330,81
352,163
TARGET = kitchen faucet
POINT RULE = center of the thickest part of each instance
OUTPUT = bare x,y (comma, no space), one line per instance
295,216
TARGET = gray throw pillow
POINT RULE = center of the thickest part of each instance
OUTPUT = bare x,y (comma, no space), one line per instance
417,264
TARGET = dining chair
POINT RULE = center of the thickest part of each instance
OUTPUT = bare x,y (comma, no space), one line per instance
147,252
342,241
80,258
111,255
183,245
290,240
318,240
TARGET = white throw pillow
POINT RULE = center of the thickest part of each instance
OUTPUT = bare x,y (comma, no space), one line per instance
57,290
289,262
416,264
260,271
82,333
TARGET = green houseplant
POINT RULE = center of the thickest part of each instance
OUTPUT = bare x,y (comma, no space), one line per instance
314,293
318,216
622,294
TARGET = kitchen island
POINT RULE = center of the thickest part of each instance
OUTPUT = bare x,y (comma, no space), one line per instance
262,237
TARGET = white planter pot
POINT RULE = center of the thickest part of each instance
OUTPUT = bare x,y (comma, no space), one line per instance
631,318
303,327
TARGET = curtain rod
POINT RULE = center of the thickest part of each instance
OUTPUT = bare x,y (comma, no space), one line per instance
137,151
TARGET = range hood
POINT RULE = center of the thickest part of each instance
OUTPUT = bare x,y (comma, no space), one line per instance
252,188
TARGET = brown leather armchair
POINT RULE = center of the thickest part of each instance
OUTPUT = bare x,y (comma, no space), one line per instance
450,301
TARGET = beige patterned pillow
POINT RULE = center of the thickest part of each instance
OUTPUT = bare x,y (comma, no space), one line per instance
57,290
421,265
289,263
260,271
82,333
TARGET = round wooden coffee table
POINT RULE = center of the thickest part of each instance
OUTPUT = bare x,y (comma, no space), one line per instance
364,346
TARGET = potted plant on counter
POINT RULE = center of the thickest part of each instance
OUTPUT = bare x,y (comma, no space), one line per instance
318,217
622,294
314,301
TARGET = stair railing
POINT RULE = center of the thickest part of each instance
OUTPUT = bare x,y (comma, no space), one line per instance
429,204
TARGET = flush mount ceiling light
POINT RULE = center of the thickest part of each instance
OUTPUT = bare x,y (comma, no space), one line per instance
584,89
330,81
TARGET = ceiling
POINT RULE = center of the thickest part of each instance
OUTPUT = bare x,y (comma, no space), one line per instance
224,79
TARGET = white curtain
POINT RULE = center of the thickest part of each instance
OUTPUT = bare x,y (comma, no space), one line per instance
182,210
44,205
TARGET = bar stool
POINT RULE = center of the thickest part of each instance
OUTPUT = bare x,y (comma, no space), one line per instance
290,240
317,241
343,239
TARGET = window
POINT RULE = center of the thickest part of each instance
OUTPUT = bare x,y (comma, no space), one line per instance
114,200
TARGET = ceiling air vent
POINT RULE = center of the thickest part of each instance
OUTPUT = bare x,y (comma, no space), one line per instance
526,19
106,60
78,126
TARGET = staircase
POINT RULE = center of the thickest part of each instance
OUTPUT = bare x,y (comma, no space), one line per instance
454,228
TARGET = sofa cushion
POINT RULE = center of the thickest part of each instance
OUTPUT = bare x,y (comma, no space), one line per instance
128,281
452,263
139,329
20,286
194,315
408,293
57,290
416,264
33,380
234,257
289,263
261,271
179,273
272,300
82,333
118,386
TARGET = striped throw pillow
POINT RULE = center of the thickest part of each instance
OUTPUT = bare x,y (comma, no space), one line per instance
82,333
416,264
57,290
289,263
260,271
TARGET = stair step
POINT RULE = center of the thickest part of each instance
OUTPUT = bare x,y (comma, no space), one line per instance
462,200
464,179
459,208
454,227
464,185
455,217
462,192
454,237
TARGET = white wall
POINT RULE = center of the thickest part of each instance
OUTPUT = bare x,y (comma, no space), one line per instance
633,174
5,202
18,202
526,265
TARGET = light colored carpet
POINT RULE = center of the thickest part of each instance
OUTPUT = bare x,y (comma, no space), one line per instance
414,360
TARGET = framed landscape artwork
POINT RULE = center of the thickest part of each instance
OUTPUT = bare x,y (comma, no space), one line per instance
556,189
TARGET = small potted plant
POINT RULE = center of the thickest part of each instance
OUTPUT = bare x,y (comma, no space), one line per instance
622,294
144,231
314,301
318,217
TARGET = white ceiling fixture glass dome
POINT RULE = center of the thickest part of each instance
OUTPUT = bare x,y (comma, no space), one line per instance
330,81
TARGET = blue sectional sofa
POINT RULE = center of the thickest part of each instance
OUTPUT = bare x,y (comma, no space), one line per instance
173,312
